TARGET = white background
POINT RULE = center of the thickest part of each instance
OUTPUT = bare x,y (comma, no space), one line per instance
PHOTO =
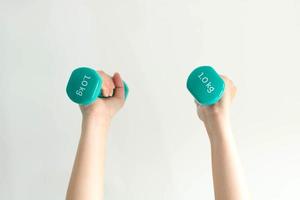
158,149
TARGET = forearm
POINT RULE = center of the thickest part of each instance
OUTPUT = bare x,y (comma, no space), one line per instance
229,183
88,171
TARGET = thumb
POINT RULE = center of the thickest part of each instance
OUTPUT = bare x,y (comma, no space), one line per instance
119,86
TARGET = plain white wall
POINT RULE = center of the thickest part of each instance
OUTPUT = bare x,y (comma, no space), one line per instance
158,149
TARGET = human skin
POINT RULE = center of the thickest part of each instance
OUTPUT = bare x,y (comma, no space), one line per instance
87,178
228,178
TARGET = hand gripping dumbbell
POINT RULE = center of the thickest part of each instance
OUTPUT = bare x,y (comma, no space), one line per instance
206,86
84,86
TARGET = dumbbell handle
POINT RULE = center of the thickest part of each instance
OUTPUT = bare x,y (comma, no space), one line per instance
125,91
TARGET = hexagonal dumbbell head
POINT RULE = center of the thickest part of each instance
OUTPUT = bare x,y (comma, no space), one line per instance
206,86
84,86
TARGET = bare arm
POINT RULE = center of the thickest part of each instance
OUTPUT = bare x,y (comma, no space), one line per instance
228,178
87,177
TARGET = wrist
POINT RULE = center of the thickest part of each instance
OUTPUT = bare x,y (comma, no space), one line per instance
216,120
95,124
218,128
97,118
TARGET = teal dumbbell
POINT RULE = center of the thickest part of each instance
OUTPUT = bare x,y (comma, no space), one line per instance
84,86
205,85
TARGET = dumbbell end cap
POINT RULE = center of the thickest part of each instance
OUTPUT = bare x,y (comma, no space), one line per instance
91,91
198,88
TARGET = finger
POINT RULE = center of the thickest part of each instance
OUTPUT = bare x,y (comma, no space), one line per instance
119,86
110,84
112,88
105,91
107,84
